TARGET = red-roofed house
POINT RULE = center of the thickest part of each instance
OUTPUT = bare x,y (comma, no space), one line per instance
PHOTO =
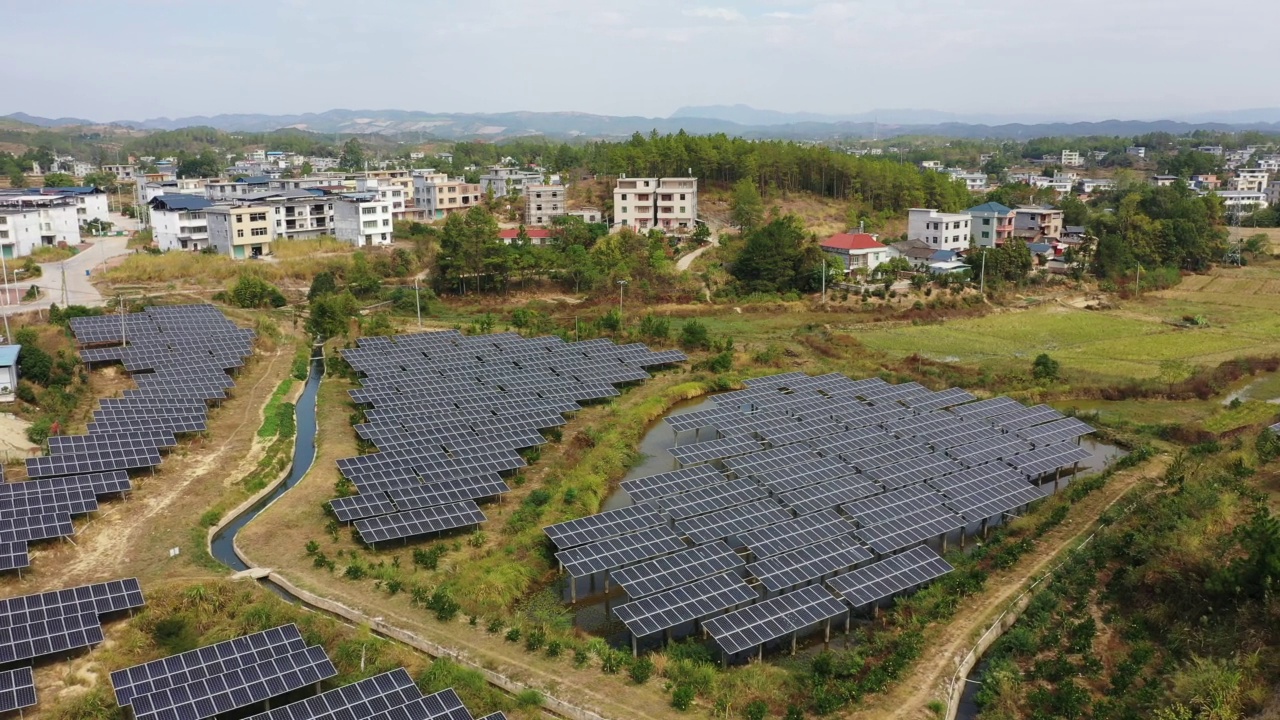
861,251
536,235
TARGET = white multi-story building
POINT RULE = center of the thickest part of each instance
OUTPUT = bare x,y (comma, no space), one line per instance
1242,202
544,203
174,186
1253,180
362,219
437,195
91,203
1273,192
941,231
1215,150
32,220
668,204
1072,158
241,231
975,182
502,180
1090,185
297,214
1136,151
178,222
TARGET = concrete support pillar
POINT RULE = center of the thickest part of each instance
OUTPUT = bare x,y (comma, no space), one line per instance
666,634
573,589
963,532
793,643
826,639
760,652
633,645
944,542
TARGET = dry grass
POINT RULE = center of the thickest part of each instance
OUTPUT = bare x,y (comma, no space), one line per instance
197,269
294,249
52,254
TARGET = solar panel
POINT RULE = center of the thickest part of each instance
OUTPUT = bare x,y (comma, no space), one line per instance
986,474
1047,459
766,460
829,494
13,555
603,525
732,521
879,455
712,498
1055,432
17,689
774,618
713,450
418,522
616,552
993,448
900,532
662,485
808,563
938,400
850,440
46,637
893,504
236,689
804,474
655,613
979,501
913,470
791,534
987,408
681,568
208,661
889,575
448,491
385,695
364,505
1026,417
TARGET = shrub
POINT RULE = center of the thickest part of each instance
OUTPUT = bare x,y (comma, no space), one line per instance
535,639
39,430
682,697
251,291
494,627
611,662
1045,368
694,336
353,572
513,635
580,657
554,648
641,670
529,698
755,710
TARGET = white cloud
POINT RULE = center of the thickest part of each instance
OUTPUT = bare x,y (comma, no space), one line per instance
714,13
783,15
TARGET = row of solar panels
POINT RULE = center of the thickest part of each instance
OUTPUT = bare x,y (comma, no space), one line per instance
238,673
449,413
129,432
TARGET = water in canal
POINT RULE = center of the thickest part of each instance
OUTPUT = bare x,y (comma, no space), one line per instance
304,453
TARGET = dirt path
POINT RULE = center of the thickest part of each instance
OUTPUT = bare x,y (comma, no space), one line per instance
683,263
929,679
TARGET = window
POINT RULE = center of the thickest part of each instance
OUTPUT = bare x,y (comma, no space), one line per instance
258,232
278,223
624,196
681,209
539,208
384,237
240,232
4,234
986,221
385,222
386,208
985,234
369,210
257,217
239,218
623,210
370,224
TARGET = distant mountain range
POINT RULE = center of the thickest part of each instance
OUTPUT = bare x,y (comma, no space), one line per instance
734,120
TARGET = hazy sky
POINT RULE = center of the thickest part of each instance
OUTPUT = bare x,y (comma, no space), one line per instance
1071,59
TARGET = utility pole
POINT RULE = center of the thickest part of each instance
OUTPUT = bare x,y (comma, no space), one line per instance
622,286
122,335
418,299
4,269
982,277
824,281
63,267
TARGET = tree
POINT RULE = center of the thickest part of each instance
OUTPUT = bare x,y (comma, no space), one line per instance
55,180
330,315
251,291
323,284
694,335
206,164
777,258
701,234
352,157
1045,368
746,207
1074,212
34,364
362,281
306,168
102,180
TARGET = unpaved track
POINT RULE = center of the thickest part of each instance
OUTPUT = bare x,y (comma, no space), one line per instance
928,680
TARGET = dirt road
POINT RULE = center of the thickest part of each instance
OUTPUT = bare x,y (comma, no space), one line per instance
929,679
684,262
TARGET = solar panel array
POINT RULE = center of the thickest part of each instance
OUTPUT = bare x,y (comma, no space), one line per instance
32,626
817,479
17,689
179,357
223,677
388,695
449,412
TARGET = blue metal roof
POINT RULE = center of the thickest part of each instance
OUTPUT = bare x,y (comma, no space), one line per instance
1040,248
255,180
178,201
991,207
943,256
9,355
